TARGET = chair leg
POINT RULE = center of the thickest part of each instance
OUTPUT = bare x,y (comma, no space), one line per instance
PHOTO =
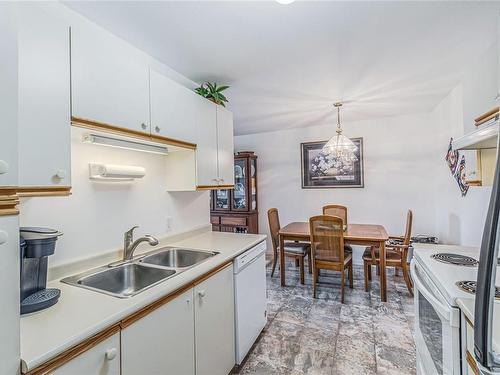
369,272
378,270
396,271
275,260
351,276
309,263
301,265
342,276
407,278
297,263
315,279
367,268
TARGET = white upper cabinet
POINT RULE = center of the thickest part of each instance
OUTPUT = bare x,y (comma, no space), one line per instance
214,324
44,99
172,109
225,146
109,80
163,341
206,149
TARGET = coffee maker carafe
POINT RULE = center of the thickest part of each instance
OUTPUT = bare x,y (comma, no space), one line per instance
36,245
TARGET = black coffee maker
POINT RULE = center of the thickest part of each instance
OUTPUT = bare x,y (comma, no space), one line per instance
36,245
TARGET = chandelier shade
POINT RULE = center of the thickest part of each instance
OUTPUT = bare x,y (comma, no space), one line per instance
339,146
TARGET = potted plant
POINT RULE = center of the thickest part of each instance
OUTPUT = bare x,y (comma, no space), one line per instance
213,92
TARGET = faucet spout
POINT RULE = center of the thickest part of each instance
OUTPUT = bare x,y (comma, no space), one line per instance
130,245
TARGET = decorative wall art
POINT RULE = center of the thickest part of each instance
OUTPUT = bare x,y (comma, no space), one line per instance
320,170
457,168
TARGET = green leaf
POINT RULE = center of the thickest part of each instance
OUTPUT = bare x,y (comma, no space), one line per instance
222,88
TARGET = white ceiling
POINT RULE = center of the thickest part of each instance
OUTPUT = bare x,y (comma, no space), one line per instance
286,64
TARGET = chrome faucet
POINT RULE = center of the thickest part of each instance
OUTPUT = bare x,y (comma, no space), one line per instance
129,245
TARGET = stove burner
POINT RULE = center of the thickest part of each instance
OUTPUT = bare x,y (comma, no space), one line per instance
470,287
456,259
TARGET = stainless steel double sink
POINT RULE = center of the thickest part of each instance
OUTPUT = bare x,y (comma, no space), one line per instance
143,272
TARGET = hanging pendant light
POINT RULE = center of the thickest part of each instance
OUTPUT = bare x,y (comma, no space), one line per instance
339,146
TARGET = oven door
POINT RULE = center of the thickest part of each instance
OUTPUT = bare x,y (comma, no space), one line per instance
437,328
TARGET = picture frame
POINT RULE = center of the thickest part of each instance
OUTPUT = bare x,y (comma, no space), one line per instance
319,171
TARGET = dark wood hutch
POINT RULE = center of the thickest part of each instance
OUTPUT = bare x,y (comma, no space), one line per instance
235,210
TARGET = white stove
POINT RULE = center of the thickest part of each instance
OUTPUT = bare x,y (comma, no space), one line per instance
437,271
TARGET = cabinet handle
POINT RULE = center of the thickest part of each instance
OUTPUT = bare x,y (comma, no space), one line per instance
4,236
4,167
201,293
188,301
157,129
61,174
143,126
111,354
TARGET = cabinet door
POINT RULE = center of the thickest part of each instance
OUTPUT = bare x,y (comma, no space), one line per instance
102,359
206,149
163,341
110,80
172,108
225,146
44,100
8,98
214,324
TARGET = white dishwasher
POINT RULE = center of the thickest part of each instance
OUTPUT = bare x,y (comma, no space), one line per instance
250,299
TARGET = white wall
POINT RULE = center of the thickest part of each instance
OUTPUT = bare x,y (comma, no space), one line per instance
96,215
398,174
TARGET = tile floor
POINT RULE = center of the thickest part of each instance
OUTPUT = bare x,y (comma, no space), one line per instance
322,336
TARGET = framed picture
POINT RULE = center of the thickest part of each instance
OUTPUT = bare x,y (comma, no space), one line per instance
325,171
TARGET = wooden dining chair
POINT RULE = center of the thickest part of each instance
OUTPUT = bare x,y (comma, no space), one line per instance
339,211
327,249
396,255
294,250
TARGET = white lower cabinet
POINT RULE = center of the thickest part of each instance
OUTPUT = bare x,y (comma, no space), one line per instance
163,341
214,324
102,359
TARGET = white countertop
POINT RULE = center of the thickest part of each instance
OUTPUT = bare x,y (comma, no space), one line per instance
467,307
81,313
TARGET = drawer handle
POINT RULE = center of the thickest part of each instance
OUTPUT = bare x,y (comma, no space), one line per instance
4,236
61,174
111,354
201,293
143,126
157,129
4,167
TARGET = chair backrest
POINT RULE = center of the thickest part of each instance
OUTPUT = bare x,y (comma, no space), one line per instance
336,210
327,238
409,223
274,226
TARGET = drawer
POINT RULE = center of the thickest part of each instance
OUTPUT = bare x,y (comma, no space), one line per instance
234,220
215,219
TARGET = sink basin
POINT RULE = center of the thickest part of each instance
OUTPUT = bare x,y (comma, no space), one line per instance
122,281
177,258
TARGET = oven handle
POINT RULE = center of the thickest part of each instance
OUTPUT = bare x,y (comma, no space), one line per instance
442,309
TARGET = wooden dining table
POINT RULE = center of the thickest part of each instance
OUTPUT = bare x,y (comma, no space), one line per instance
354,234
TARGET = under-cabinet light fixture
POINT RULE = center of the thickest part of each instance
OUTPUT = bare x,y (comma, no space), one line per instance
124,144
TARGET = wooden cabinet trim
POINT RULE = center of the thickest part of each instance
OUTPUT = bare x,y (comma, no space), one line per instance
113,129
9,199
75,351
214,187
472,363
43,191
131,319
68,355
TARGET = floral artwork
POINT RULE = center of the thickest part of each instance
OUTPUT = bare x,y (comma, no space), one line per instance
452,157
457,168
460,176
321,170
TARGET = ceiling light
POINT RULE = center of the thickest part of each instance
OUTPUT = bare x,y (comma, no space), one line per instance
285,2
339,145
124,144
